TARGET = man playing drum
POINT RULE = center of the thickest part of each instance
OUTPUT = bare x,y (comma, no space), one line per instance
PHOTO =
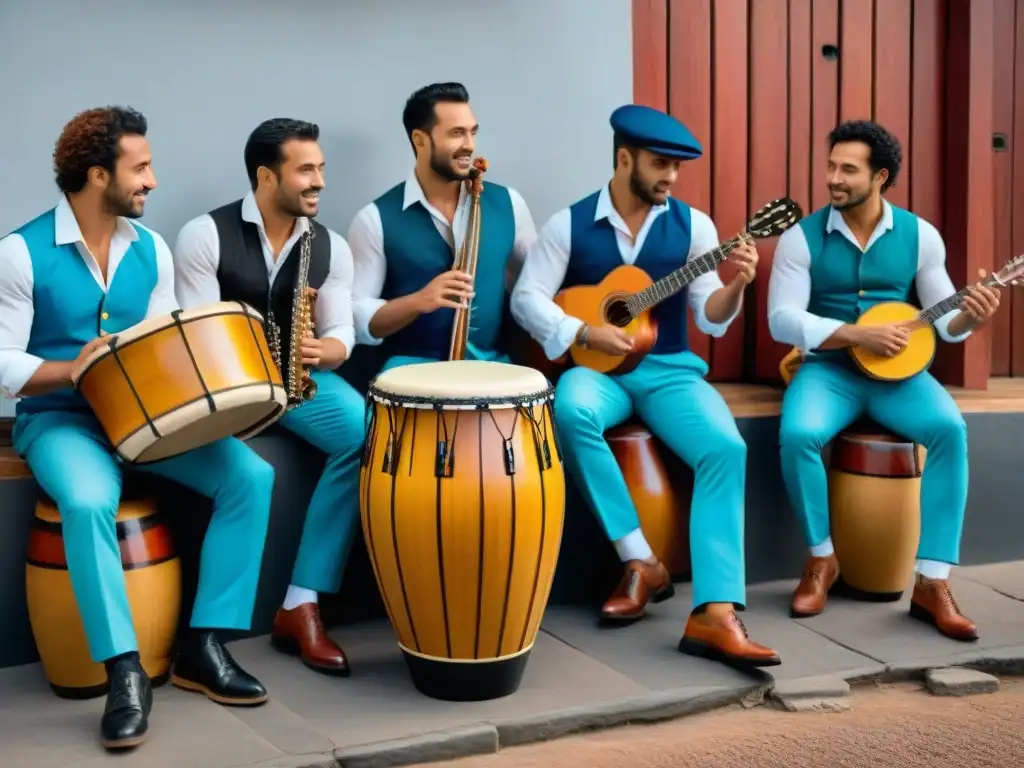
250,250
70,279
404,242
813,305
631,220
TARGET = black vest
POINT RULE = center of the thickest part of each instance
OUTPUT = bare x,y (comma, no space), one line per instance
242,271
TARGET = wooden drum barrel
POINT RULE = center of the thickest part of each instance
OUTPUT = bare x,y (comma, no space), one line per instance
152,575
875,506
660,491
462,495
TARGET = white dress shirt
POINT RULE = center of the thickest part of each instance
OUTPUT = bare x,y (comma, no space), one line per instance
197,257
366,236
789,289
545,267
16,285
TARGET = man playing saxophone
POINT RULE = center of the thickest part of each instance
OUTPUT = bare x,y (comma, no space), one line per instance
405,243
265,249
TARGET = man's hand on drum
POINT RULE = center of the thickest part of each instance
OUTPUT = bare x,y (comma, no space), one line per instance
451,289
85,352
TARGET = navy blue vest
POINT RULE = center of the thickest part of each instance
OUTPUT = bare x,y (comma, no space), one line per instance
594,252
416,253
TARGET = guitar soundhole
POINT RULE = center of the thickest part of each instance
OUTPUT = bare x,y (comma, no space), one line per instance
617,313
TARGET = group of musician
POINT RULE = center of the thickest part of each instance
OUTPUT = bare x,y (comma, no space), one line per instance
87,269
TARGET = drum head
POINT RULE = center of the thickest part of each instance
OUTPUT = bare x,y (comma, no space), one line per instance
462,382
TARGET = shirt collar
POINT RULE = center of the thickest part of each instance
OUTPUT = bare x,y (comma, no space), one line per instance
414,192
251,213
836,220
605,209
68,232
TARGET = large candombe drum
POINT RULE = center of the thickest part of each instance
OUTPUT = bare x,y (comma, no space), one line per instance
875,508
152,573
184,380
462,494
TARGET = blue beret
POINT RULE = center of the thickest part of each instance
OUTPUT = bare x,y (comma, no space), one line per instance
653,130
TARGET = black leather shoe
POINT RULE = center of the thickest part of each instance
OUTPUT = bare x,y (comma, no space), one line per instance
129,702
205,666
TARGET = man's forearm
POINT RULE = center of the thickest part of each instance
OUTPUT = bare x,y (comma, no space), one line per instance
844,336
334,353
49,377
724,302
961,324
395,315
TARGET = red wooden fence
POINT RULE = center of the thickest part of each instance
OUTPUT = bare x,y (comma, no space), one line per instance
762,82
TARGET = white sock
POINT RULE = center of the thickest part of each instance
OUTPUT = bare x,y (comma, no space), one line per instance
824,549
633,546
931,569
296,596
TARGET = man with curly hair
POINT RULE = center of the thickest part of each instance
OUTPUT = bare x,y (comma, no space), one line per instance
71,279
249,250
841,260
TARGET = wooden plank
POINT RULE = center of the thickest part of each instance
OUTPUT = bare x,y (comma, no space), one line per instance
856,59
1002,171
650,53
801,62
892,84
689,99
969,183
1017,201
824,93
729,181
768,166
927,104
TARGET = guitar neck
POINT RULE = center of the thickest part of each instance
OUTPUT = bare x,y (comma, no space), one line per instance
675,281
948,304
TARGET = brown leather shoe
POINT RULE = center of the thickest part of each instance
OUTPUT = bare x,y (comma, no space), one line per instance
820,575
724,638
300,632
641,583
933,604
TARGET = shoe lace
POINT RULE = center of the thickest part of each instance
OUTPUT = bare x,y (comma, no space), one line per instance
946,595
739,623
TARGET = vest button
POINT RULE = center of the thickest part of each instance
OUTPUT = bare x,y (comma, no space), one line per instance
105,316
861,292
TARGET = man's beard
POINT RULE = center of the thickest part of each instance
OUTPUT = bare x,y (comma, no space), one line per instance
291,205
117,203
852,200
443,167
638,188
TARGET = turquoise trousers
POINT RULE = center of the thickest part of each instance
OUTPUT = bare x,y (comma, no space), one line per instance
73,462
332,422
670,395
825,397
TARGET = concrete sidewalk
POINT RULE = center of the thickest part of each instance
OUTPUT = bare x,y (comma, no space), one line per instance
579,677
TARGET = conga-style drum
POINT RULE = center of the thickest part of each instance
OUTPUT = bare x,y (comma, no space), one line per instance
462,495
152,575
661,496
184,380
875,509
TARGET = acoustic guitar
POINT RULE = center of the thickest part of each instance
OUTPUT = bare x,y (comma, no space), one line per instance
627,294
919,353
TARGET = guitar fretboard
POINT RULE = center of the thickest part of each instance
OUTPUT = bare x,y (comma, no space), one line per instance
675,281
948,304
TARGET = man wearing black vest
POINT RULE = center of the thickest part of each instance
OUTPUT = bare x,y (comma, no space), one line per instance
249,250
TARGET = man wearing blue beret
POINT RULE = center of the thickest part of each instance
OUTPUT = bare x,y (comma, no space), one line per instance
633,220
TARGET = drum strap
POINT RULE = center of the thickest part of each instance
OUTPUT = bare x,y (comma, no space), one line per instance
134,391
210,403
444,461
510,456
540,436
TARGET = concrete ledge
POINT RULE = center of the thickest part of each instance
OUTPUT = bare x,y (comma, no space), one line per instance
1008,660
300,761
649,708
480,739
821,693
959,681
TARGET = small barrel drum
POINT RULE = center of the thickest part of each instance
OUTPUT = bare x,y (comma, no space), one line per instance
661,497
184,380
152,575
462,495
875,508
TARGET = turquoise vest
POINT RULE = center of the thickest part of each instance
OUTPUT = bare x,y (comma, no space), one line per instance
70,309
416,253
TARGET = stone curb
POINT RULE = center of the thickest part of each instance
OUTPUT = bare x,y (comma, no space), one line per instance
430,747
1008,660
318,760
960,681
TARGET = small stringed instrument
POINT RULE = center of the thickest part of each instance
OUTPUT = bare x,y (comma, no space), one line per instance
627,294
919,353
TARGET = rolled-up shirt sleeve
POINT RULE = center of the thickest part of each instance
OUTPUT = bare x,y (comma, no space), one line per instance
703,238
16,313
541,277
369,268
789,293
334,298
162,300
933,283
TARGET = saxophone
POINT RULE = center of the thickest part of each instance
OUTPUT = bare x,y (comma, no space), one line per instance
299,385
